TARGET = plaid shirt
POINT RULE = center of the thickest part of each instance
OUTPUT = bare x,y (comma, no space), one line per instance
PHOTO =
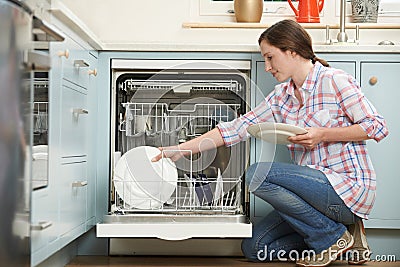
331,98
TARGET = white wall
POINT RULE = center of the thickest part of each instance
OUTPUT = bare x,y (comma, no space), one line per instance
125,24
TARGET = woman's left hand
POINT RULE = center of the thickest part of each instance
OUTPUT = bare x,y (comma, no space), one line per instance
309,140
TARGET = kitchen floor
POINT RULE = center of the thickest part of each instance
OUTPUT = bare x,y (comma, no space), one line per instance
142,261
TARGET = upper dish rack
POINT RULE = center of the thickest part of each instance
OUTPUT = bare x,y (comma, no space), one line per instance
155,124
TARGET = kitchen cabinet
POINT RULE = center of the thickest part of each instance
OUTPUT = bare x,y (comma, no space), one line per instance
261,151
76,185
66,208
44,220
72,198
74,121
379,82
377,76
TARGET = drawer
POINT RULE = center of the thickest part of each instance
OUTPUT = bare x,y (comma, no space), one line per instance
43,219
73,195
74,121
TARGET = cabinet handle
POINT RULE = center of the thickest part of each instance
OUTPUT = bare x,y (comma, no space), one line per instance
373,80
64,53
80,63
93,72
79,111
79,184
41,225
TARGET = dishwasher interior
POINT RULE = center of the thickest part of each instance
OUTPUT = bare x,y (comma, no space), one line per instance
167,107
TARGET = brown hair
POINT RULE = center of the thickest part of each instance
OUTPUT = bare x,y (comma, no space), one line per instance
289,35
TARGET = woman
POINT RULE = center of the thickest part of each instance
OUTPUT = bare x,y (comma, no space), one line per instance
332,183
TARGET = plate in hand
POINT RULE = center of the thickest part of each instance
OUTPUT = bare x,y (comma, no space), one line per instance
275,132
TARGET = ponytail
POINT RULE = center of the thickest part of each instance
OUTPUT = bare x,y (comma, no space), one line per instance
320,60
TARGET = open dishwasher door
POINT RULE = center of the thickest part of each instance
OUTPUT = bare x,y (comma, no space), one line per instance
165,105
174,227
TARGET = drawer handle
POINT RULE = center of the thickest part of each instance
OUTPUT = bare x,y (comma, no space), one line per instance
64,53
373,80
41,226
79,184
79,63
93,72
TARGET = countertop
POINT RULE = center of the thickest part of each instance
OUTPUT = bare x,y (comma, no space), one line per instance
318,48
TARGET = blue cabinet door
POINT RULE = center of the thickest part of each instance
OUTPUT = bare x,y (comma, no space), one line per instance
384,95
74,121
72,196
264,83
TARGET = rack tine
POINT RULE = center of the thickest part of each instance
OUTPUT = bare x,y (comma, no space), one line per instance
184,199
226,199
232,197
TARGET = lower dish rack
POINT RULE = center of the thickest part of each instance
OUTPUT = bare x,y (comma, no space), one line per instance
200,208
193,193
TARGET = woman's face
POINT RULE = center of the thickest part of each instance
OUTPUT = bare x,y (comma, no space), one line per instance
280,64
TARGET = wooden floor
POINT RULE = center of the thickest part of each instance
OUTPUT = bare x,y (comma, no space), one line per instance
154,261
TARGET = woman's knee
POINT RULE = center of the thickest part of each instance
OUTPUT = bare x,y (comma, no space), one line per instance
257,172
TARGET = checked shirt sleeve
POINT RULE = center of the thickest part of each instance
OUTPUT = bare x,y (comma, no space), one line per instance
358,107
236,130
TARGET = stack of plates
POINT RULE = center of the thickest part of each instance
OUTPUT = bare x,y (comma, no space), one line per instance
144,184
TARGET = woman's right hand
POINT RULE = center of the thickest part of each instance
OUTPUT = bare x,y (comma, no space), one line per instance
207,141
171,152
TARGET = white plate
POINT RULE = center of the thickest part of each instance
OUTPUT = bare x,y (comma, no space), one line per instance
275,132
144,184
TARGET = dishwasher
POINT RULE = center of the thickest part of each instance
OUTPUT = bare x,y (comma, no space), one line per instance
160,103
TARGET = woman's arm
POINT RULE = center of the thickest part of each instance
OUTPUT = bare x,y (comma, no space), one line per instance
207,141
363,121
357,107
314,136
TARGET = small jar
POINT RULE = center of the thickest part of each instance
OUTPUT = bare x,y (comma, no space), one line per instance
365,11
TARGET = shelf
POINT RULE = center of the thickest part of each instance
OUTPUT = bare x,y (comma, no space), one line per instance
242,25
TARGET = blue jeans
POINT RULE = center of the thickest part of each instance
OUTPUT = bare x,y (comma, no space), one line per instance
308,214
